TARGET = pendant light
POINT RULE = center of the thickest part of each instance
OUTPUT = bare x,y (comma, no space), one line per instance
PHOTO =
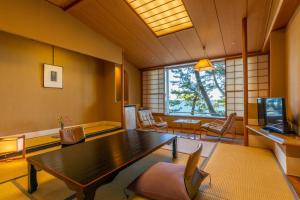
204,64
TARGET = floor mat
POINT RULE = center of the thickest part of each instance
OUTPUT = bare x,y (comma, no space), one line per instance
239,172
188,146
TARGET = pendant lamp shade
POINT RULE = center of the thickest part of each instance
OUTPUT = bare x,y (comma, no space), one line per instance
204,65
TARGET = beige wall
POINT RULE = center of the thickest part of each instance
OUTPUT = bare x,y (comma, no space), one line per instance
278,64
134,83
27,106
293,68
42,21
112,108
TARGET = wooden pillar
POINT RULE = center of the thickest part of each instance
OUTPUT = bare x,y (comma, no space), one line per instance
123,91
245,64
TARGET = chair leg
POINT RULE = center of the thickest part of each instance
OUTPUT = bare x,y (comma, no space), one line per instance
125,193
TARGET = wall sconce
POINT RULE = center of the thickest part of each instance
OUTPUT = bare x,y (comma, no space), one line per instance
12,146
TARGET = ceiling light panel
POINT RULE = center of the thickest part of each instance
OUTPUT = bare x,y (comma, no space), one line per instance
162,16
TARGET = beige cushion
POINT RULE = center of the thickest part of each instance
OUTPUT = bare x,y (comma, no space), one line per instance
72,135
161,124
209,127
146,118
161,181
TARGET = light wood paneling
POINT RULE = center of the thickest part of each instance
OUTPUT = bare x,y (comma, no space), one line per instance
230,13
258,14
191,43
101,20
205,21
287,10
175,47
137,28
217,25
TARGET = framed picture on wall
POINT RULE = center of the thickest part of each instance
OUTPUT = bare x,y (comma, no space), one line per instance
53,76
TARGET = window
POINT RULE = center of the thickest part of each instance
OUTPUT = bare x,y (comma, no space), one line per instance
179,90
154,90
194,93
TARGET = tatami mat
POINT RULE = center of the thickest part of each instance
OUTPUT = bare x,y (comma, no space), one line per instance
10,192
52,138
49,187
189,146
240,172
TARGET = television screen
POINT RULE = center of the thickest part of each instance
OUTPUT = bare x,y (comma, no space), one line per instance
275,114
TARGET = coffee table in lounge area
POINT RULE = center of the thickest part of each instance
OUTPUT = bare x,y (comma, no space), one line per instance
193,124
86,166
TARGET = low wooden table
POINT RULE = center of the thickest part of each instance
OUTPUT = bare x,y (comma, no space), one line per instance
194,124
86,166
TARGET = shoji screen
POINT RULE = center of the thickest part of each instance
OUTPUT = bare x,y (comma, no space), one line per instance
154,90
258,82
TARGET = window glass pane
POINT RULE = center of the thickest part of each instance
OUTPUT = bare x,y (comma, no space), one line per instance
197,93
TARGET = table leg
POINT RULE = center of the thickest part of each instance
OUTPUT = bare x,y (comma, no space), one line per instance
86,194
174,149
32,179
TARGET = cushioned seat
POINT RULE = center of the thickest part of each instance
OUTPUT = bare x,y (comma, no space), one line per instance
162,181
71,136
147,121
220,127
170,181
161,124
209,127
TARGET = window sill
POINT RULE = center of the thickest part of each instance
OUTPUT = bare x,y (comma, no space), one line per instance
194,117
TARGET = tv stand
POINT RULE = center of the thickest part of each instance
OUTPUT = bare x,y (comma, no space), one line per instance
283,139
286,147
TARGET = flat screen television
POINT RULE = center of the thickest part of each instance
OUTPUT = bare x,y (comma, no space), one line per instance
274,114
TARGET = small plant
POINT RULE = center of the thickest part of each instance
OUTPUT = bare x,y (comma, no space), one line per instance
62,121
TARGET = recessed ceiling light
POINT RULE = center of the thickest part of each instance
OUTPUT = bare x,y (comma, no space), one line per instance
162,16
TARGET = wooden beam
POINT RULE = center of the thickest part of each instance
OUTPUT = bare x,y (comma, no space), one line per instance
71,4
233,56
273,15
245,64
123,92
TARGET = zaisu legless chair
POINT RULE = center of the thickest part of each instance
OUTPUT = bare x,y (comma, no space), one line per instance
170,181
71,136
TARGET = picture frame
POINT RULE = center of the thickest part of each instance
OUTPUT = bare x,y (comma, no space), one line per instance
53,76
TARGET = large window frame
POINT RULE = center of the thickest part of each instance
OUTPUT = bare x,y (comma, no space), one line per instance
258,69
207,77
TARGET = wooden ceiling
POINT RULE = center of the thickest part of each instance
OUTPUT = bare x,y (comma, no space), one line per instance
217,25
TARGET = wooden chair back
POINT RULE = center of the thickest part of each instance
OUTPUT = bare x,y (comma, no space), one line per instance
229,123
72,135
192,175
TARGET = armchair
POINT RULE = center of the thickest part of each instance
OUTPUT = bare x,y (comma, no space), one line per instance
147,121
219,127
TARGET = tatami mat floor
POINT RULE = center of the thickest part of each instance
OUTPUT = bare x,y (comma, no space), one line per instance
13,175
